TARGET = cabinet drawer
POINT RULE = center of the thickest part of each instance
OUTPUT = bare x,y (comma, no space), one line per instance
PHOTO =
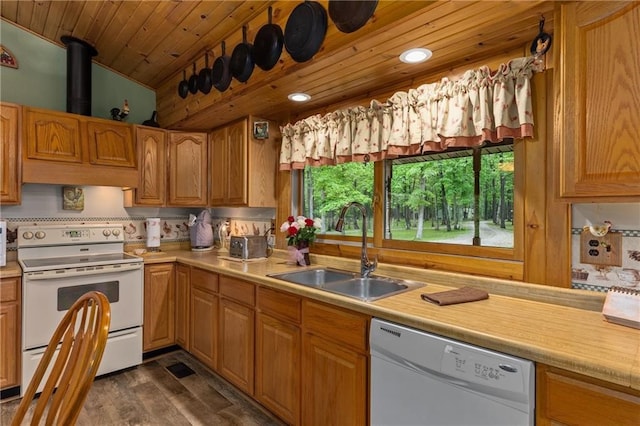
9,289
238,290
338,324
569,398
281,305
204,280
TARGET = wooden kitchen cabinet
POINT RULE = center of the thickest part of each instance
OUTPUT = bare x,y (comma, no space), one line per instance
10,331
334,365
152,170
204,317
237,331
183,300
64,148
159,306
565,398
53,135
598,99
243,169
278,353
187,169
111,143
10,161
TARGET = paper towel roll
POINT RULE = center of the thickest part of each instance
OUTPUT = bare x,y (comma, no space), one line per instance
153,232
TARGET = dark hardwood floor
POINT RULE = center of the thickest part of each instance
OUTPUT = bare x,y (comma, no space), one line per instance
151,395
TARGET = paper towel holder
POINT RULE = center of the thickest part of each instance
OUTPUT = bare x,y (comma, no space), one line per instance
153,234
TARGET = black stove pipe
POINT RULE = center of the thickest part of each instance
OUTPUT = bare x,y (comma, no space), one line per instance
79,54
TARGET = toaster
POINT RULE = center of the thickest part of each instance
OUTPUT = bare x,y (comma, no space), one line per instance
248,246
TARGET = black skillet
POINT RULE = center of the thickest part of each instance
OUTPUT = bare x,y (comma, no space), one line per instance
183,86
267,46
349,16
220,75
204,76
542,42
241,64
193,81
305,30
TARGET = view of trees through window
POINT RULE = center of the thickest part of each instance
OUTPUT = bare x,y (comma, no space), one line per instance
329,188
429,198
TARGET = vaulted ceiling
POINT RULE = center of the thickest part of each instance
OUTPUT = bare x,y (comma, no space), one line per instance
153,42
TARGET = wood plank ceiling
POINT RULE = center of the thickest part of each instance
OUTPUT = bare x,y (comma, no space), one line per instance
153,42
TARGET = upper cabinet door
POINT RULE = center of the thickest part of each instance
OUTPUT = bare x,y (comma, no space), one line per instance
598,99
237,163
152,169
10,161
187,169
53,136
218,142
111,143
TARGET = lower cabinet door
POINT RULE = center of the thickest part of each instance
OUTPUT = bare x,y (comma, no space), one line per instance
204,327
159,306
183,297
278,351
334,381
237,344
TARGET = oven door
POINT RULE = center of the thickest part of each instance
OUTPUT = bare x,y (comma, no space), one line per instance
47,296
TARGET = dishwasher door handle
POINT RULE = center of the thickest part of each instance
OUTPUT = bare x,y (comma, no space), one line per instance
434,374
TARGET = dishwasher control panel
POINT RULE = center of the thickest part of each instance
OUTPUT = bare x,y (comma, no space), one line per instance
476,367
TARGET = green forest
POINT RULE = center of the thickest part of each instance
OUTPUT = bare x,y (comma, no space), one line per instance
428,198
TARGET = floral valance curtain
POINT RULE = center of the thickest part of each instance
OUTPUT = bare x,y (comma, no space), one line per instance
481,106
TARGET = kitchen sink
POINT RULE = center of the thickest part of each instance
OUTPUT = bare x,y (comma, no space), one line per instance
316,278
348,283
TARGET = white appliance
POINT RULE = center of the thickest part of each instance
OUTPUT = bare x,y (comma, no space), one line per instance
3,243
423,379
62,262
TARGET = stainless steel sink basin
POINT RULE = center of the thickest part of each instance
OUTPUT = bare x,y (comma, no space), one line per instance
316,278
348,283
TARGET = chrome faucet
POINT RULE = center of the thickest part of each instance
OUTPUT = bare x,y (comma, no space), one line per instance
366,266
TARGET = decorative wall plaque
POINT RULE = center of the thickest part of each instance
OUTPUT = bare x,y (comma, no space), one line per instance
72,198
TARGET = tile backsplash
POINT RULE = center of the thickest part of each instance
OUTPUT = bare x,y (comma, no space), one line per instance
42,205
625,218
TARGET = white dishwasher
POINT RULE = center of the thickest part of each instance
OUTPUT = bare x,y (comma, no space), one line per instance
424,379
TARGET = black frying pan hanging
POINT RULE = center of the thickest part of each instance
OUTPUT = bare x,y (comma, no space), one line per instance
193,81
183,86
267,46
542,42
351,15
305,30
241,64
204,76
220,74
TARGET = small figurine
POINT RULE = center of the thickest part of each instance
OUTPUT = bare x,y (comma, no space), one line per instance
118,114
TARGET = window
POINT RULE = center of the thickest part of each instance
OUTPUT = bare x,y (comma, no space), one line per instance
327,189
440,198
432,203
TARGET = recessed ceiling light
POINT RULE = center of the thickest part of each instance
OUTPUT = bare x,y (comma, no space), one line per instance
299,97
414,56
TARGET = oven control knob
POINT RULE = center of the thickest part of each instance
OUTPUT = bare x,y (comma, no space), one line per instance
116,232
27,235
40,235
106,232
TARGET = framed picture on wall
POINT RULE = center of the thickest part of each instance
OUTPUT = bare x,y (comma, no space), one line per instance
261,130
72,198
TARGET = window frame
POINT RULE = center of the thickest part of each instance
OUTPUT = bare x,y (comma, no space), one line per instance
378,240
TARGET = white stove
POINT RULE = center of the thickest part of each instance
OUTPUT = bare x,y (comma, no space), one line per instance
62,262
